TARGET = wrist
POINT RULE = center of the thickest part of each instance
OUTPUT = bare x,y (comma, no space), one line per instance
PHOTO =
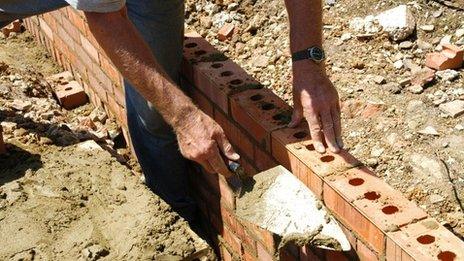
185,117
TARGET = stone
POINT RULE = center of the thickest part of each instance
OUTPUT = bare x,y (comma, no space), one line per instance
427,167
447,75
454,108
393,88
416,89
21,105
406,45
398,22
423,45
429,130
260,61
422,77
459,33
226,31
427,27
379,79
346,36
459,127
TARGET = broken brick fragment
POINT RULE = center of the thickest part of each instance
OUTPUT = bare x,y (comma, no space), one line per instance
451,57
71,95
14,27
226,32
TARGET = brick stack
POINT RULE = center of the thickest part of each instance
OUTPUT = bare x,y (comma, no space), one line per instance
379,222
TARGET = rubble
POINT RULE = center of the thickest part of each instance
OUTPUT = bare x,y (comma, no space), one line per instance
454,108
447,75
451,57
399,22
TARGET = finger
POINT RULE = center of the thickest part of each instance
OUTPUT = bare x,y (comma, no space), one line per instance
315,130
329,133
297,116
337,127
216,161
226,147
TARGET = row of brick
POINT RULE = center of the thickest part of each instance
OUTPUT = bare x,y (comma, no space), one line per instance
255,120
377,219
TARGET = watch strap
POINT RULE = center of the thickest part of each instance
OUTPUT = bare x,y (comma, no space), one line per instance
300,55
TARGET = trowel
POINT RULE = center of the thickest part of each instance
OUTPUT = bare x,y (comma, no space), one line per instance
279,202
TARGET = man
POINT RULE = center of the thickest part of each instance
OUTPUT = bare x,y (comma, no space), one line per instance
143,38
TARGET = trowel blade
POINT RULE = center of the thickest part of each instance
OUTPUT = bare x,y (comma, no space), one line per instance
279,202
234,181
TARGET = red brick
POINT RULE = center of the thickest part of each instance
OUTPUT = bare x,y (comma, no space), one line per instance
373,197
76,18
226,31
263,254
263,160
249,256
424,240
220,80
72,30
236,135
353,219
2,143
451,57
196,48
297,142
247,240
202,102
232,240
219,185
71,95
365,253
119,95
90,49
102,78
110,70
260,112
225,254
46,29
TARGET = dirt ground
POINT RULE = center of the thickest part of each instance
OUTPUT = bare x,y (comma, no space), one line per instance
63,197
402,135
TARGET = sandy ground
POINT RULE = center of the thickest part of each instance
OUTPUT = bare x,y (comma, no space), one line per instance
62,197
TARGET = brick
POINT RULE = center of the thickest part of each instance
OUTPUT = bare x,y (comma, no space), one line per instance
384,206
2,143
260,112
220,187
353,219
71,29
249,256
202,102
226,31
220,80
297,142
90,49
263,254
110,70
424,240
225,254
232,240
263,160
197,49
46,29
451,57
71,95
365,253
76,18
236,135
119,95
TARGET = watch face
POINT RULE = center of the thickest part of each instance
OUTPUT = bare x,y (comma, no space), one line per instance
317,54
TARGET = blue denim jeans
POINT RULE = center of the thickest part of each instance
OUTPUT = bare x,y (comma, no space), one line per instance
161,24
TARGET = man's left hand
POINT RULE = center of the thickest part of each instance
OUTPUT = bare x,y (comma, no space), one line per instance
316,99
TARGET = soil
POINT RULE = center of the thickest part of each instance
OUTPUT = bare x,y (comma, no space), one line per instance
382,120
63,196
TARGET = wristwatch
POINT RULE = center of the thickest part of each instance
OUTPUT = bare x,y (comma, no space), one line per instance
314,53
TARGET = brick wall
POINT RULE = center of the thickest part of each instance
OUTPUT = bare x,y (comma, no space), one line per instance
378,220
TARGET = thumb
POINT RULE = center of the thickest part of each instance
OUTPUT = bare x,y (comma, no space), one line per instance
297,116
226,148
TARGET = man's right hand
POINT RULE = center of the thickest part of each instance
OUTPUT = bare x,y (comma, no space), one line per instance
202,140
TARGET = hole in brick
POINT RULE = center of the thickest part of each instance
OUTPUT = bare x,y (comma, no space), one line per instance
426,239
356,182
371,195
327,158
200,52
301,135
216,65
236,82
267,106
282,117
446,256
256,97
310,147
390,210
190,45
68,88
226,73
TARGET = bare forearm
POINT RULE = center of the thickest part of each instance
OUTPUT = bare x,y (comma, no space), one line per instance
131,55
305,23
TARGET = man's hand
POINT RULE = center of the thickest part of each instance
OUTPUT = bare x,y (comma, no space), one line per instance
316,99
202,140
